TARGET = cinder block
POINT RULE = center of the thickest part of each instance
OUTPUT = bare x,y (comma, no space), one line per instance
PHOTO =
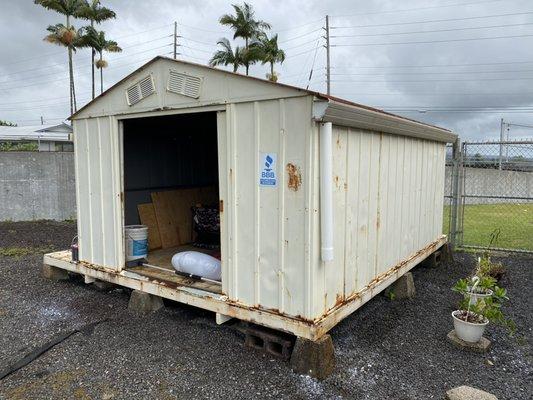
270,341
314,358
144,303
403,288
468,393
479,347
54,273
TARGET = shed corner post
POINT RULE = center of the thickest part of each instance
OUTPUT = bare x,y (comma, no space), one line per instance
326,191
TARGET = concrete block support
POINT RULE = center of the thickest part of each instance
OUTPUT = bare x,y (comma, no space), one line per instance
104,286
313,358
403,288
479,347
144,303
54,273
468,393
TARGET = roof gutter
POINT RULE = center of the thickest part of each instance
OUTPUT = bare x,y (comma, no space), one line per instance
328,110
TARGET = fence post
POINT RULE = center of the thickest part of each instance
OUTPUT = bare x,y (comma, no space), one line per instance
456,173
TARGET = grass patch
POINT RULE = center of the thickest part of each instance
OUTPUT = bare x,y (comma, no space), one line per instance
18,252
515,222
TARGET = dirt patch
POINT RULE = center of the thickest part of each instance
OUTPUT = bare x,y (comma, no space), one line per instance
25,238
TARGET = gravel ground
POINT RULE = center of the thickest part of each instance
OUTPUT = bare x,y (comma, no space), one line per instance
388,349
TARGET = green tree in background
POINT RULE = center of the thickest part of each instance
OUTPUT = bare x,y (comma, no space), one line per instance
267,51
245,26
94,12
65,35
228,56
97,41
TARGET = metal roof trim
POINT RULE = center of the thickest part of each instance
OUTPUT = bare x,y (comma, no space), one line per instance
339,113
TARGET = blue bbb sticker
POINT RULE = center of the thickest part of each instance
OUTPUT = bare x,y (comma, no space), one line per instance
267,169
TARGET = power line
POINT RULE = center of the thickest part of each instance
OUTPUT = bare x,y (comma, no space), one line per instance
433,31
431,41
434,94
61,79
62,52
77,66
433,80
434,65
432,21
416,8
435,73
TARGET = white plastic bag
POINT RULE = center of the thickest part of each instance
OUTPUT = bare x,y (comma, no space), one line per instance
196,263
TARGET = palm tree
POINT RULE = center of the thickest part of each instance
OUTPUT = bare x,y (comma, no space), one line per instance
64,35
93,11
228,55
97,40
267,51
245,26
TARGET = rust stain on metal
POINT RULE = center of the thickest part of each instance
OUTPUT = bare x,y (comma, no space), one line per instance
295,177
221,206
378,220
342,301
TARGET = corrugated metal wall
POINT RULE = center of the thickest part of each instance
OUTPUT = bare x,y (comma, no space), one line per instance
387,205
387,197
268,260
98,186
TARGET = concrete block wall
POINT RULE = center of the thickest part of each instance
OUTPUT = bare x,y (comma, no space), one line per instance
36,185
493,182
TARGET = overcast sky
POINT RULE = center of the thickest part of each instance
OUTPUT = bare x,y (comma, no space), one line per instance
440,79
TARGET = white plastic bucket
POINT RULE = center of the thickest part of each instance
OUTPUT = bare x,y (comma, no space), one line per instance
136,242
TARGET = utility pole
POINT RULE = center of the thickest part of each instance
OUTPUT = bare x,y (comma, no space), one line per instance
328,67
175,39
42,120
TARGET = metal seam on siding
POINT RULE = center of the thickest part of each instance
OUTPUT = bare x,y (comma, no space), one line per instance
114,136
378,213
76,183
402,188
281,208
101,192
309,172
257,205
346,225
233,182
89,189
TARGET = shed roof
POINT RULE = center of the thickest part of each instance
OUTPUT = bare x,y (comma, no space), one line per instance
329,108
50,132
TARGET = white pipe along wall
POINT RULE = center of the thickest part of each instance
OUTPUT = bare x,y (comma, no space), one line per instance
326,191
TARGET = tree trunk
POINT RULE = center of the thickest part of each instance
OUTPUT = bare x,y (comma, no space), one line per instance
272,72
70,75
93,53
247,63
71,72
101,75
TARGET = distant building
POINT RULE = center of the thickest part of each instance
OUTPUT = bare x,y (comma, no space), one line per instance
47,137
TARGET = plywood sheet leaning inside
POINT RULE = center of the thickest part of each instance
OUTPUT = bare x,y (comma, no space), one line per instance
173,212
148,218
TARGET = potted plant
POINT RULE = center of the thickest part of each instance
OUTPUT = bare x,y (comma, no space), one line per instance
471,319
482,290
486,267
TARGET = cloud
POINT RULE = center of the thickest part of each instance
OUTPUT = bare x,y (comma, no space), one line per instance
34,75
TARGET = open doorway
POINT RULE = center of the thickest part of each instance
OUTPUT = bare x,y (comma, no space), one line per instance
171,186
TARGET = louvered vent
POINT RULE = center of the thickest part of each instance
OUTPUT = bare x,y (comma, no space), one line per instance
140,90
186,85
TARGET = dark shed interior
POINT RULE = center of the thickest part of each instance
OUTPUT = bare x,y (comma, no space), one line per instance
165,153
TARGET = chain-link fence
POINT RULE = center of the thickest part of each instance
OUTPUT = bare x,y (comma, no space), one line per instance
489,195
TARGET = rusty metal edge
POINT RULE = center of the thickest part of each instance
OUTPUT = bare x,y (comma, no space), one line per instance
309,329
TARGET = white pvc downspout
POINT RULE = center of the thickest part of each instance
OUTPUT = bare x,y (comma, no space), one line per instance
326,191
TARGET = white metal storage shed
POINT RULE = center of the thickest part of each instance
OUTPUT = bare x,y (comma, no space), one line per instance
350,198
